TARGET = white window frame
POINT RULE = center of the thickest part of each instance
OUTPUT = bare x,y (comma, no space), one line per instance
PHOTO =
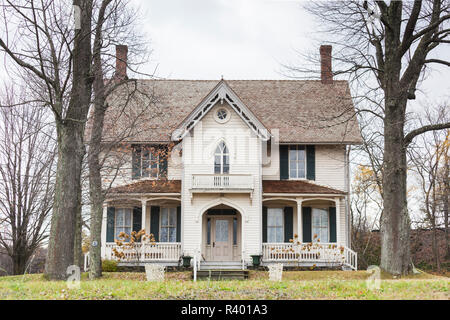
221,155
174,226
125,210
328,225
151,159
289,162
282,225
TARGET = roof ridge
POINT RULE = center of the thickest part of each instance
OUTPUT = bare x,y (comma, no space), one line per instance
260,80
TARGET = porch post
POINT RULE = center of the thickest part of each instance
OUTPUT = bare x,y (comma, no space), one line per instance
299,220
144,213
337,201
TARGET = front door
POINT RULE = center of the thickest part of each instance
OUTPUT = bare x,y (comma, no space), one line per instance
222,236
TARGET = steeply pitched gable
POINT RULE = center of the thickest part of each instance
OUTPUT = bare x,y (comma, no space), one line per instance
221,92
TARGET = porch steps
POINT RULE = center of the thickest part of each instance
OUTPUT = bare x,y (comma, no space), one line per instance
220,265
222,274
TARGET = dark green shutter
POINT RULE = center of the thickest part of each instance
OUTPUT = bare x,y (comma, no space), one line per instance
288,224
311,162
110,220
178,224
136,162
306,216
137,219
264,224
154,222
163,156
332,224
284,162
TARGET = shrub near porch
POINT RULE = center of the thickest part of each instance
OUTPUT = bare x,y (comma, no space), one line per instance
295,285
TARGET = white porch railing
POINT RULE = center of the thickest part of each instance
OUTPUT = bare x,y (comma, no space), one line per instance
222,181
160,251
328,253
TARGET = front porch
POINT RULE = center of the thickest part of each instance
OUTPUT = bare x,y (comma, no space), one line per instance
166,253
290,254
309,254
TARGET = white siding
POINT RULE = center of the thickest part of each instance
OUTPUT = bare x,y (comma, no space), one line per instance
198,158
245,158
330,166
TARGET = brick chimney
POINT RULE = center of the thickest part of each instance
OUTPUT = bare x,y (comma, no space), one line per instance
121,62
326,74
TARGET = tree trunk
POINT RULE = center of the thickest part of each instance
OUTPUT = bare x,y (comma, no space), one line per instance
395,223
446,203
78,252
68,179
19,262
70,131
435,248
95,179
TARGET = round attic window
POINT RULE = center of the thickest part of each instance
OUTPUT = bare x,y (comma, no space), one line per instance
222,115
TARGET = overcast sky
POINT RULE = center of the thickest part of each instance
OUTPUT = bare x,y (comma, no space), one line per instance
205,39
239,39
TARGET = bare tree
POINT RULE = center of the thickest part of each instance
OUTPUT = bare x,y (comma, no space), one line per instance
51,48
27,157
384,48
429,156
110,25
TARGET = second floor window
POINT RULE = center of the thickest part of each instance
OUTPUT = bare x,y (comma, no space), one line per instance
148,161
221,159
297,162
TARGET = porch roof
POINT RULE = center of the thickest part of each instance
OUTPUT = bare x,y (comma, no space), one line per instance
269,186
149,186
297,186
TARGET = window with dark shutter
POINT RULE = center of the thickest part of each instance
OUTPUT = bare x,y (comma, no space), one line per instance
137,220
288,224
284,162
110,221
333,224
306,219
311,162
179,224
154,222
264,224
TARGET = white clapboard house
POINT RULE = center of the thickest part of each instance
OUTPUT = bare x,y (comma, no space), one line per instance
226,169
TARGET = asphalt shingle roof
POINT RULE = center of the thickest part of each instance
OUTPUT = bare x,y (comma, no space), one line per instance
304,111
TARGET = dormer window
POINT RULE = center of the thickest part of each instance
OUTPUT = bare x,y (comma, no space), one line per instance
221,159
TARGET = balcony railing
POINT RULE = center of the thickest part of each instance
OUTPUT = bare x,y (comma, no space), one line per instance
328,253
160,251
222,181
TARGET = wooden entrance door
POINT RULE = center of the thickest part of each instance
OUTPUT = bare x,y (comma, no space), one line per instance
222,237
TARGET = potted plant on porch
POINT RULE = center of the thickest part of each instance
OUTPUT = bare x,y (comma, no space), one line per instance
256,259
186,260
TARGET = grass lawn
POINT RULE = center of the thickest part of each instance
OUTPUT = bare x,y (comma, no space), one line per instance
295,285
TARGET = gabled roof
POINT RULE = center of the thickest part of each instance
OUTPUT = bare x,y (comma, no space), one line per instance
304,111
220,93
